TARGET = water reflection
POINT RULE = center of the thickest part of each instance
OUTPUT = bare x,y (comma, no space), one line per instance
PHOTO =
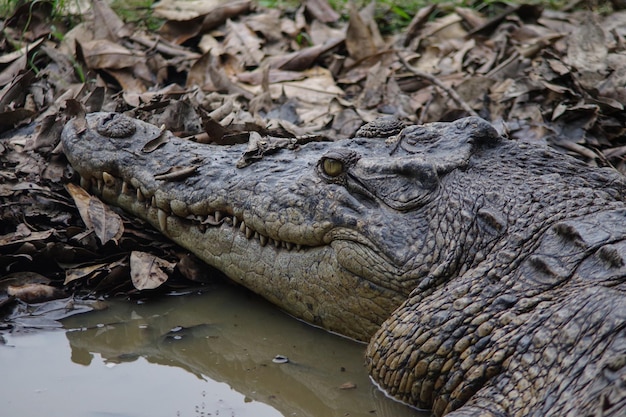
233,337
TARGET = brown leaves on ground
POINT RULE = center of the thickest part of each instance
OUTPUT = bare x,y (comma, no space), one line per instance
96,215
219,70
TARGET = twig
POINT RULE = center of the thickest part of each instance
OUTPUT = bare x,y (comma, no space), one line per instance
435,81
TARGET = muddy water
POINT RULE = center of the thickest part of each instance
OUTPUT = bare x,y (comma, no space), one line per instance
209,354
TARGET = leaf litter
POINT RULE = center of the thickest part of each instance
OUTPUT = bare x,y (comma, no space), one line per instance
229,72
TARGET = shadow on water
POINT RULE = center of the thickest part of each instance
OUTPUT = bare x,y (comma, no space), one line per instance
233,337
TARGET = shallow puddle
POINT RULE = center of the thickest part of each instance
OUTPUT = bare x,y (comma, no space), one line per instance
211,354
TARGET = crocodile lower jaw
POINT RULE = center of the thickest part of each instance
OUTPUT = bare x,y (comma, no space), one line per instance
130,197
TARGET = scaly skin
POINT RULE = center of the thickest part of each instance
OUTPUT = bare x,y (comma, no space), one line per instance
491,272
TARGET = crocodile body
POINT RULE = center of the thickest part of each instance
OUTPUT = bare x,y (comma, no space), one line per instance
488,275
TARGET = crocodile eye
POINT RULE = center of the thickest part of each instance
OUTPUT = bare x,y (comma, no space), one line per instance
332,167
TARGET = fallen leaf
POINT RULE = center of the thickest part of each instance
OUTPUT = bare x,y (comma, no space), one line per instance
359,38
82,272
148,271
178,31
185,9
107,224
154,144
104,54
96,215
243,43
35,293
322,11
107,24
18,279
13,238
587,48
176,173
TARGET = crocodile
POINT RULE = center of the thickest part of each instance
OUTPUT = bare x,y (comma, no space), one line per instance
487,274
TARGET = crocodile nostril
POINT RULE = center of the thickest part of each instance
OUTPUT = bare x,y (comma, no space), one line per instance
116,126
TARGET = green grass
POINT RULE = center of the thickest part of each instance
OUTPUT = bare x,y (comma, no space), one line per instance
391,15
133,11
138,12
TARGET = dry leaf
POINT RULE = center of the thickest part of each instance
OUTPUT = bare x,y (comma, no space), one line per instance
35,293
148,271
243,43
154,144
82,272
107,224
96,215
107,25
14,238
322,11
184,9
359,38
178,31
586,48
104,54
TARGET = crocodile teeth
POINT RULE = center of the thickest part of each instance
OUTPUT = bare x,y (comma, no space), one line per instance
109,180
85,183
298,247
153,202
249,232
212,220
263,240
235,221
218,216
242,227
140,197
288,245
162,216
125,189
100,184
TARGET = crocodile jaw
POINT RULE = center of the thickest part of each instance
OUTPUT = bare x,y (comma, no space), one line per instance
308,283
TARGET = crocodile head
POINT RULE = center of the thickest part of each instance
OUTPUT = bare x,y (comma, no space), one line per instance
337,234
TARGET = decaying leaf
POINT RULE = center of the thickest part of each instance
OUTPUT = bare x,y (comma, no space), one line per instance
154,144
82,272
104,54
148,271
15,238
360,40
35,293
97,216
242,41
177,173
182,26
107,25
322,11
18,279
